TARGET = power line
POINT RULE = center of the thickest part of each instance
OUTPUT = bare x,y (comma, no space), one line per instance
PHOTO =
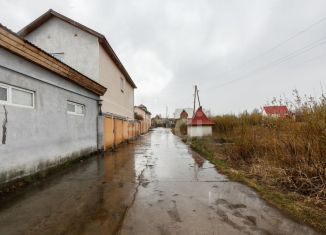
268,51
281,60
298,51
290,38
274,63
314,58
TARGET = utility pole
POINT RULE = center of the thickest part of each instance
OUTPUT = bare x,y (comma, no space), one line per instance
198,98
166,117
195,100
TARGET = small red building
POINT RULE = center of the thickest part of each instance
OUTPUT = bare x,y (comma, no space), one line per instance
276,111
183,114
199,125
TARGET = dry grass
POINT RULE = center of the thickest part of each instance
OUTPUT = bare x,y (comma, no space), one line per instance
281,156
287,153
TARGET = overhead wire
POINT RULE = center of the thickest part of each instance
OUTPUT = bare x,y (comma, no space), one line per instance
278,61
268,51
278,45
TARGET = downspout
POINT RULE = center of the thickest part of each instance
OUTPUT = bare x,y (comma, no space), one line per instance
113,127
98,121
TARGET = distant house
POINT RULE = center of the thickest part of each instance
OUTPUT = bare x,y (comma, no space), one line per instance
180,127
183,115
145,120
276,111
189,111
48,111
177,112
199,125
157,121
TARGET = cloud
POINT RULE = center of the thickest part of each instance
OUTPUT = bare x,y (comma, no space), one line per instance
151,75
169,46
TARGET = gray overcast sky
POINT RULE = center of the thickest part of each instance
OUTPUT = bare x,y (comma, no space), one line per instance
169,46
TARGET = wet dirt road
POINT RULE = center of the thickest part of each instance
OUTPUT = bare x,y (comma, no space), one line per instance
155,185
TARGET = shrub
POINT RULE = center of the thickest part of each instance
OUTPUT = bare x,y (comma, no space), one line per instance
183,129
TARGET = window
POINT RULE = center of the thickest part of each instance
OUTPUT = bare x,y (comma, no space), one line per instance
75,108
122,84
15,96
3,94
21,97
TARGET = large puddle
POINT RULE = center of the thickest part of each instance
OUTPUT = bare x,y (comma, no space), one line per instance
155,185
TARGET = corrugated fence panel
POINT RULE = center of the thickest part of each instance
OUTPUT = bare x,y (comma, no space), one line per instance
137,128
118,130
125,130
130,128
134,129
108,133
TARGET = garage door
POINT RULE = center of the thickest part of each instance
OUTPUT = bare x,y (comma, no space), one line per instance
118,126
125,130
108,133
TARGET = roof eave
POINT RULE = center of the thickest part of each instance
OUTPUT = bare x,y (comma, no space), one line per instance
192,124
102,40
35,23
13,43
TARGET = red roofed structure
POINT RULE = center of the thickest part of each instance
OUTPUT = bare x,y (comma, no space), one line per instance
276,111
200,119
199,125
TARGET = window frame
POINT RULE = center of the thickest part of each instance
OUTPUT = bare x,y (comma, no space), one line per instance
9,96
58,55
7,88
76,104
122,84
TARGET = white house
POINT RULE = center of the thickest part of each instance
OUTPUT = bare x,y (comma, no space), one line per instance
276,111
48,110
145,115
88,52
199,125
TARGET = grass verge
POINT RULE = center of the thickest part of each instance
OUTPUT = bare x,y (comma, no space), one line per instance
291,203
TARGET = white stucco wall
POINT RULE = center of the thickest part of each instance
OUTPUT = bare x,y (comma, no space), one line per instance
199,131
146,122
46,135
80,48
140,112
83,52
115,101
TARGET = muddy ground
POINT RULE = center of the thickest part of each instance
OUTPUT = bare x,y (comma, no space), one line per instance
155,185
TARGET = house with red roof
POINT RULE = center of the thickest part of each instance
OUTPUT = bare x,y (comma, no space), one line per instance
199,125
276,111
